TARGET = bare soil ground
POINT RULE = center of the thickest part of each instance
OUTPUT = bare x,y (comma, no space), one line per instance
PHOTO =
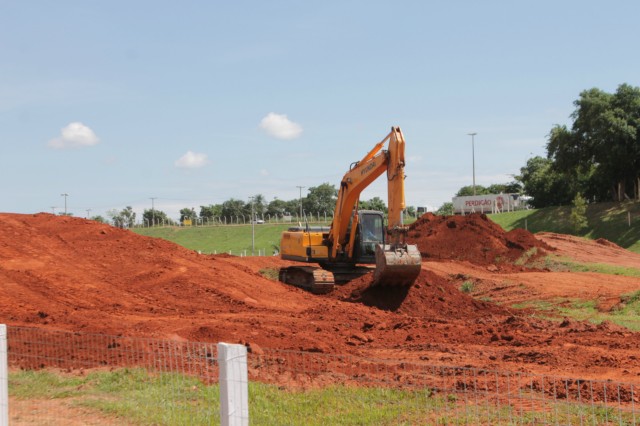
72,274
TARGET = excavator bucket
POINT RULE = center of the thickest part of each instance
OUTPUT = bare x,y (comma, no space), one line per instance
396,266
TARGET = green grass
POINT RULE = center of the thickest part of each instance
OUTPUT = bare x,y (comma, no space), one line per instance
236,239
605,220
467,286
128,394
133,396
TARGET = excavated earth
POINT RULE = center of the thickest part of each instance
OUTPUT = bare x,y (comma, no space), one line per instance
65,273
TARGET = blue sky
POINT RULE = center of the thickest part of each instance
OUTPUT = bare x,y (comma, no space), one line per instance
193,103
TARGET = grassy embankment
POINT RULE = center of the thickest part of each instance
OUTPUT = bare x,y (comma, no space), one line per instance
605,220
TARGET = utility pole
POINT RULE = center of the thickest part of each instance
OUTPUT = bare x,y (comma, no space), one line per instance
300,187
88,211
153,212
65,195
473,160
53,209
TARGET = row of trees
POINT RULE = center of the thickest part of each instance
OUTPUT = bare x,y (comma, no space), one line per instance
598,157
319,201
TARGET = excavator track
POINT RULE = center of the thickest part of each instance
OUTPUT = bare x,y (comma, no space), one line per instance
313,279
396,265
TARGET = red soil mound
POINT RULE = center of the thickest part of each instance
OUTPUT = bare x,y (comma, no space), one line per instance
472,237
430,297
78,275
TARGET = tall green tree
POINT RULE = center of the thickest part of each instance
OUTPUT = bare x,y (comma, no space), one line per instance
233,210
211,211
547,186
188,214
600,154
125,218
468,190
155,217
320,199
446,209
276,208
376,203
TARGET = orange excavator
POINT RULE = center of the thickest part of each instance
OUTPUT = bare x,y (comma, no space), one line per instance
357,238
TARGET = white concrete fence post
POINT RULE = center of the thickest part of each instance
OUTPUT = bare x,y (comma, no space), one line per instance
234,385
4,377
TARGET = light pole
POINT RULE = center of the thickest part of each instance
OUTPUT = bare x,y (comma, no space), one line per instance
153,212
65,195
301,187
88,211
473,160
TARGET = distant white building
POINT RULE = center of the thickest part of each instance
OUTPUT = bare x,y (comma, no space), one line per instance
490,203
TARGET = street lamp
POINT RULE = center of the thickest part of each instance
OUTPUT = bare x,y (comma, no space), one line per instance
65,195
301,187
473,160
153,212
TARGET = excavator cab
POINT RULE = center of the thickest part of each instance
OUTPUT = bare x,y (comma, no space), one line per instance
370,234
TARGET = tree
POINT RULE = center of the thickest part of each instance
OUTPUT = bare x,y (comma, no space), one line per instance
376,203
126,218
547,186
600,154
188,214
468,190
259,206
154,217
233,210
210,212
277,208
578,215
446,209
320,199
99,218
505,188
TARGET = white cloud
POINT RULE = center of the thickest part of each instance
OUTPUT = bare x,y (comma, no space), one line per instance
192,160
74,135
280,127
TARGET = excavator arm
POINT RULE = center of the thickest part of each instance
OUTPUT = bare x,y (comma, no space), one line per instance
397,256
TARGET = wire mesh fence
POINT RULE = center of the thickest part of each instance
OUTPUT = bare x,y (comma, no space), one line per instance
372,391
77,378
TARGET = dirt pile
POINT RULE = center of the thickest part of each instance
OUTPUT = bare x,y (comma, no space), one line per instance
472,237
431,296
73,274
